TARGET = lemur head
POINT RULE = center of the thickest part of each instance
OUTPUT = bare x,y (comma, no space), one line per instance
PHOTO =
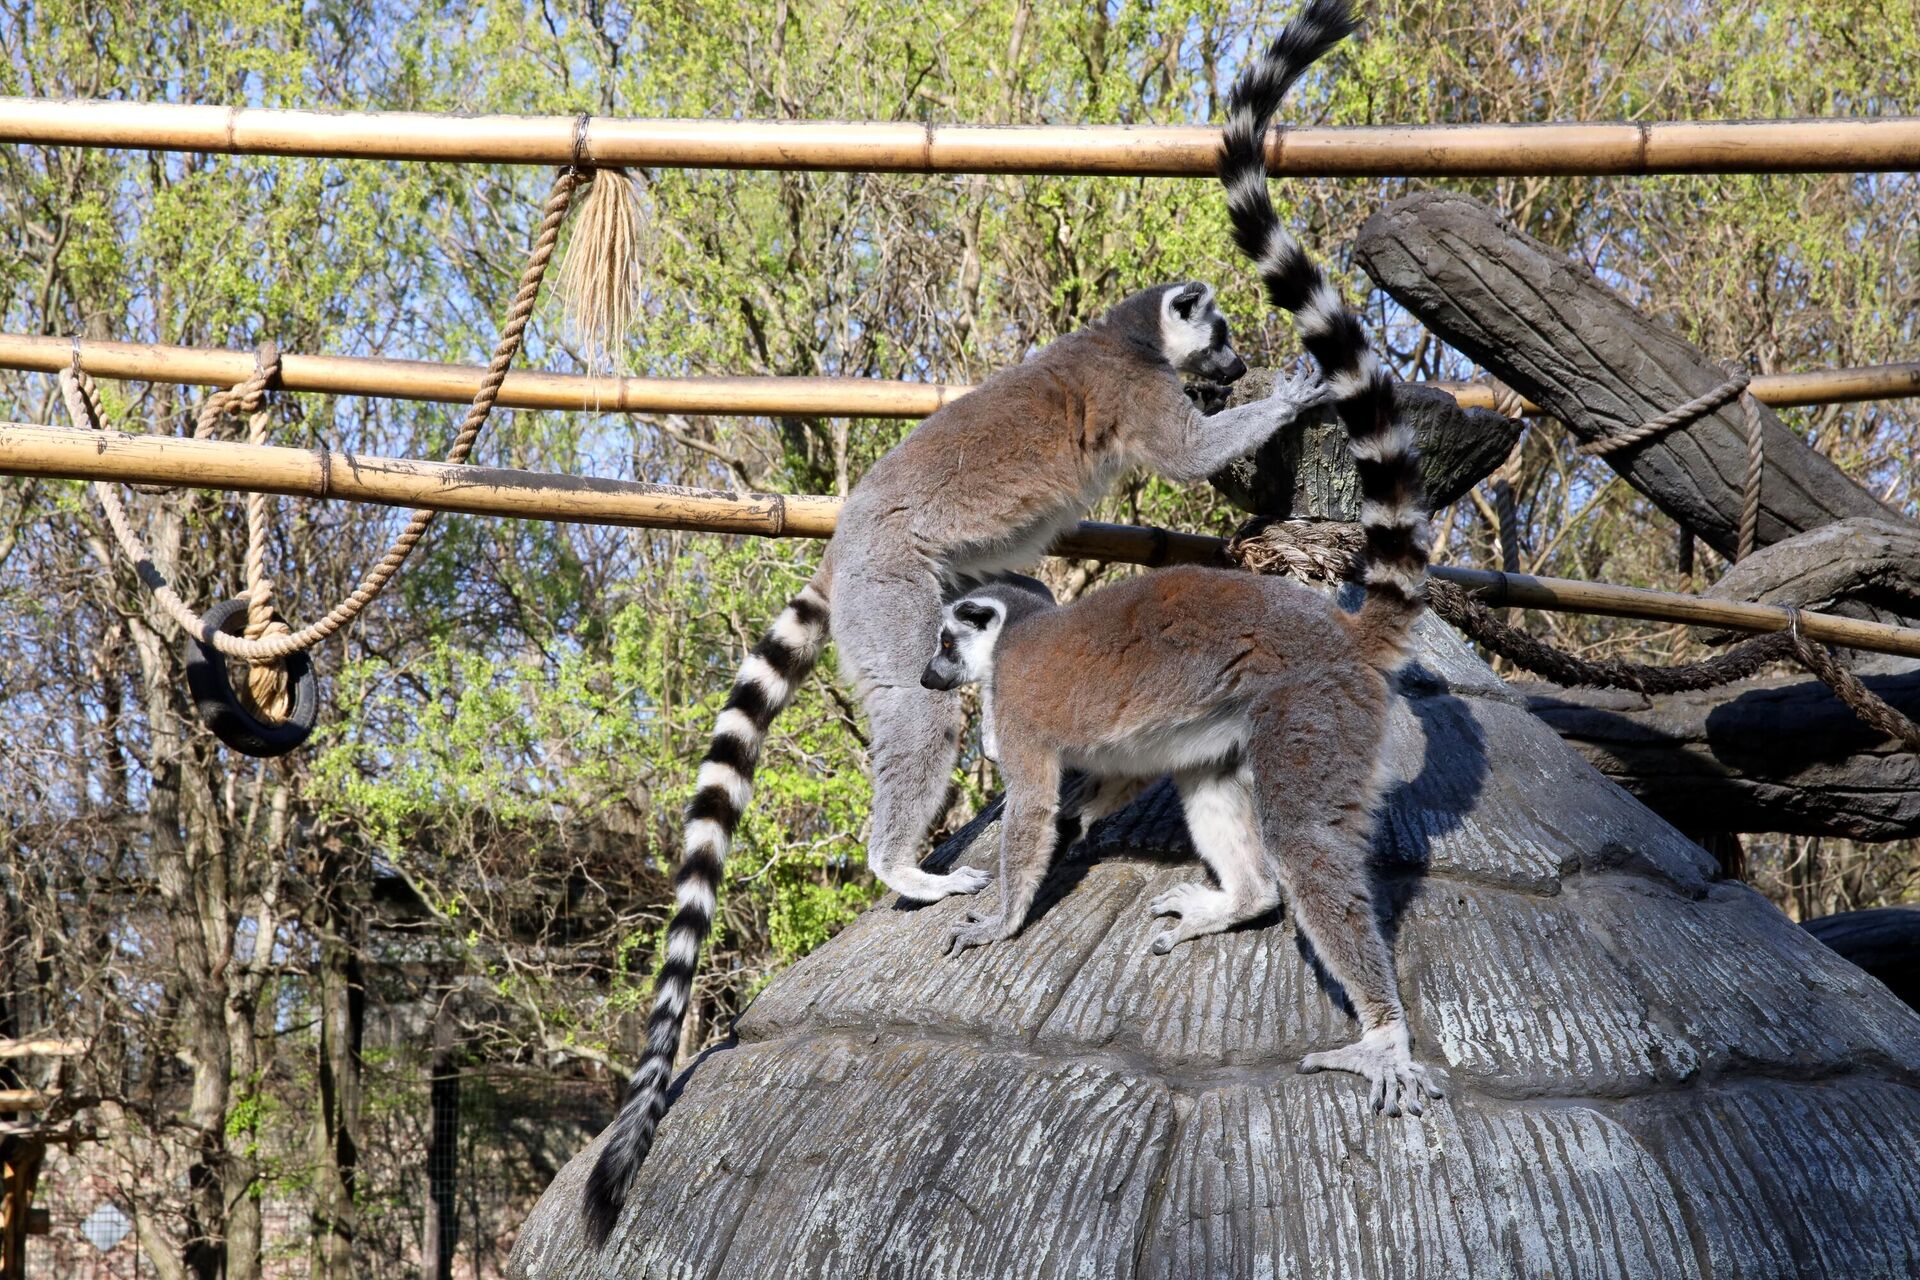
1180,324
1193,334
971,627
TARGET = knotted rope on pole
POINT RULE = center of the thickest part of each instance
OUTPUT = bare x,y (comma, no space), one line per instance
265,642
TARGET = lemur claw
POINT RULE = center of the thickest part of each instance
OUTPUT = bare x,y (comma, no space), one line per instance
1304,390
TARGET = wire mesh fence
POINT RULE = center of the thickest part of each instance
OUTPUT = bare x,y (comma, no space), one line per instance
470,1148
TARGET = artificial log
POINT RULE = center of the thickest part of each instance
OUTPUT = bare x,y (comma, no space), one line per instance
1860,568
1306,469
1547,327
1773,755
1624,1037
1885,941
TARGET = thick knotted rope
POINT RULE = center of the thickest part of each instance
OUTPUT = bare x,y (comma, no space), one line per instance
265,641
1326,549
1508,402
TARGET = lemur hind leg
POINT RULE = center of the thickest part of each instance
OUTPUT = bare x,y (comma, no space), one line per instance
886,622
1220,817
916,740
1320,832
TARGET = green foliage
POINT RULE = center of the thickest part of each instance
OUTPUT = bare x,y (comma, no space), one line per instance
514,728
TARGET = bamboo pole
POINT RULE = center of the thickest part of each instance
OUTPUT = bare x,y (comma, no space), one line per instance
757,396
1463,150
21,1100
212,464
456,383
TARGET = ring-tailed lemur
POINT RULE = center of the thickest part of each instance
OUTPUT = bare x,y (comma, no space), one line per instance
1266,702
981,486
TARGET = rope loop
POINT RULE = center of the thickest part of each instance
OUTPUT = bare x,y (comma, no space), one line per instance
266,639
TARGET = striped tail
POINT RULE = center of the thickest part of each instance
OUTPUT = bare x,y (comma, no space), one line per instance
1392,514
764,687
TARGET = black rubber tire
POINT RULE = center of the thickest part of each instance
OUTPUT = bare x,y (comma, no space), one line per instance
221,710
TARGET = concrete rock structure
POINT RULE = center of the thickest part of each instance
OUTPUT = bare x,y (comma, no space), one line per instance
1650,1071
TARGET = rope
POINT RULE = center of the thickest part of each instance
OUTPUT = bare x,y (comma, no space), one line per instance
1459,607
1508,402
1330,549
262,643
1862,701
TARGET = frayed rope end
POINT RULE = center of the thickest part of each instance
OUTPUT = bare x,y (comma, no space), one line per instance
600,273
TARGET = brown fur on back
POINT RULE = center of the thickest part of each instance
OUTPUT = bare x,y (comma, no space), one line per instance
1174,645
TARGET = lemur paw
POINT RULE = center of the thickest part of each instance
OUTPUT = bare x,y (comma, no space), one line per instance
967,880
1303,391
978,931
1184,900
1208,397
1202,910
1382,1056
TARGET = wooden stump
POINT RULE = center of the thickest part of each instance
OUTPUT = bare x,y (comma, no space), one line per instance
1545,326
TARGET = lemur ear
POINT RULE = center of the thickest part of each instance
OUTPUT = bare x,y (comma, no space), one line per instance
1186,299
974,615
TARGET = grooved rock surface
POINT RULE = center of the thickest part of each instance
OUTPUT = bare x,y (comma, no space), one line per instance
1650,1073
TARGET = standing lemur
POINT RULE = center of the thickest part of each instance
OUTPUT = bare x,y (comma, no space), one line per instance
983,485
1266,702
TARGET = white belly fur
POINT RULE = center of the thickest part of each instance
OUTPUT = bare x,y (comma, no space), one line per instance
1209,741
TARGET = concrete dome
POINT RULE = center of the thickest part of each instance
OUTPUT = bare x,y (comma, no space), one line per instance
1650,1072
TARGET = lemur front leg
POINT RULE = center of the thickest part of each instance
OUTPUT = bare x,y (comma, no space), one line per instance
1027,842
1207,444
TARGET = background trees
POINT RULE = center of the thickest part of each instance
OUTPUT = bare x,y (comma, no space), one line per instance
259,955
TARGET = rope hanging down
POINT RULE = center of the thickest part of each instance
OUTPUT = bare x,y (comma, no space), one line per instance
267,642
1507,402
1325,549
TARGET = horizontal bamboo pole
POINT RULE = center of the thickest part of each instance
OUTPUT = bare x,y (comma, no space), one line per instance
456,383
1461,150
764,397
492,491
21,1100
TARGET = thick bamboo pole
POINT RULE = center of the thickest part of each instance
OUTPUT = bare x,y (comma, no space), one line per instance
1471,150
772,397
456,383
212,464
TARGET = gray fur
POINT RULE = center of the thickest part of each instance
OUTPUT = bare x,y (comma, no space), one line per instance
981,487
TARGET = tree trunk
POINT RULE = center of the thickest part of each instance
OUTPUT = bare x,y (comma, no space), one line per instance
443,1146
1305,472
1545,326
336,1148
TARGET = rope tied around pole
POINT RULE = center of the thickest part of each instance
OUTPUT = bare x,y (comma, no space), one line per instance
1316,550
266,640
600,273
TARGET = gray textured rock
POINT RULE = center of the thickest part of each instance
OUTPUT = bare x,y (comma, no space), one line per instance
1650,1073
